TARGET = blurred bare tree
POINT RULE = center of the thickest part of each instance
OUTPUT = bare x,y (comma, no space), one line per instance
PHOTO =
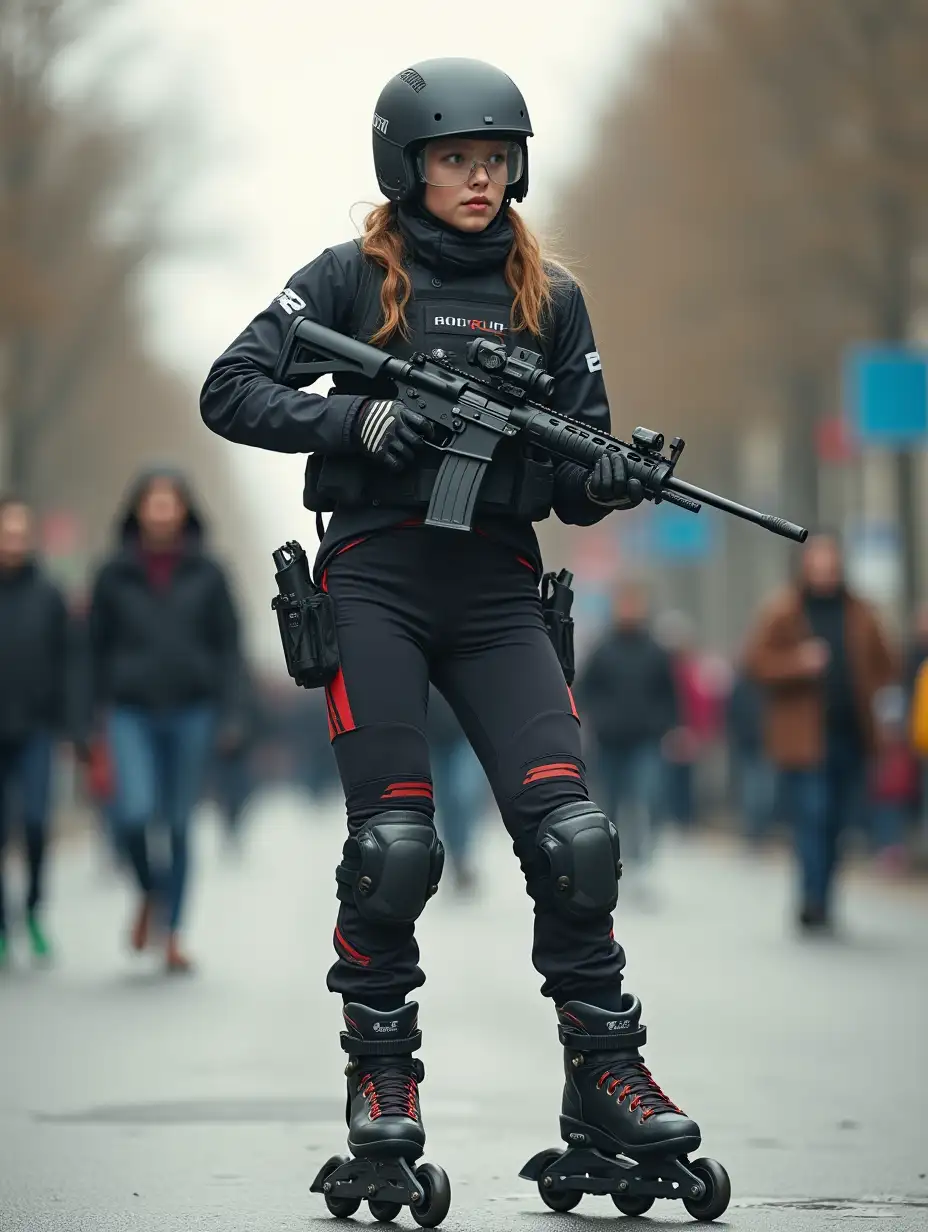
90,191
80,212
760,201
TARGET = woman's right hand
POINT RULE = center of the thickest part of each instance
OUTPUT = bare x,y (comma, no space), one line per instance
391,432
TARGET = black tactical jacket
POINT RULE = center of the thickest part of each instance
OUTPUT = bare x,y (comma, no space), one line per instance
459,292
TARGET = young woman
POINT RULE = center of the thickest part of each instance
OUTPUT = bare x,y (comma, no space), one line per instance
165,663
444,260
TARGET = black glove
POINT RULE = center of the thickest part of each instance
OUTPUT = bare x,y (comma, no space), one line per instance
391,432
610,485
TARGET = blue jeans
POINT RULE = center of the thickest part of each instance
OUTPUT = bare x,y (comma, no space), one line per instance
757,787
888,825
630,788
460,793
232,784
822,800
679,797
25,783
159,758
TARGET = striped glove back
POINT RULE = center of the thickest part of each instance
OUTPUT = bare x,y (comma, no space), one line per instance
391,432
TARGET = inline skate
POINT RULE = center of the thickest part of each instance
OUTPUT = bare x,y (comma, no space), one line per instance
625,1137
385,1131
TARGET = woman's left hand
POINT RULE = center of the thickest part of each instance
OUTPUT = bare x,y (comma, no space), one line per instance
610,485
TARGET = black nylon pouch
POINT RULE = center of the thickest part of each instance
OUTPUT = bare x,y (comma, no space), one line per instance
306,618
556,600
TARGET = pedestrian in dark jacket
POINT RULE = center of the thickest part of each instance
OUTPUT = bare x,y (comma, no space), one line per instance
34,670
628,698
165,668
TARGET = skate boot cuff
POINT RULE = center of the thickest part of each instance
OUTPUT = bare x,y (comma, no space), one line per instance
380,1048
580,1042
586,1027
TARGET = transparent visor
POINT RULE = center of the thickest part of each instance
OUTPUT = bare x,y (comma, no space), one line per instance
447,163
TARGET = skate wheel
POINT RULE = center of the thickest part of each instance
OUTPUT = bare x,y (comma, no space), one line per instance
718,1190
384,1212
434,1197
556,1199
632,1206
341,1208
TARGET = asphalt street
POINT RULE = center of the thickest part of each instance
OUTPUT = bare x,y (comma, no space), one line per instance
129,1100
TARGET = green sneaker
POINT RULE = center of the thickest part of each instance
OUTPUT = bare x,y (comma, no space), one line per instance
37,939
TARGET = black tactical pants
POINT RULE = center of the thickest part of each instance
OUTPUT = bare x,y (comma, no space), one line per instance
416,603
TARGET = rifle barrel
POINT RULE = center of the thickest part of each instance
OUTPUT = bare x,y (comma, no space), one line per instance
779,526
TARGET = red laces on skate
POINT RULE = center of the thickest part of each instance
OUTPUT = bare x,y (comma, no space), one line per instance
391,1092
637,1082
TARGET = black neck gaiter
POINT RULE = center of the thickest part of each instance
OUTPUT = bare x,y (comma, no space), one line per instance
444,248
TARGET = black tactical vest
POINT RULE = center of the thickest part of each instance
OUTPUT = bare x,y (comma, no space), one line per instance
444,313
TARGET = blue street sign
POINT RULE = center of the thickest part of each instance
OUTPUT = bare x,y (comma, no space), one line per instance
886,394
668,533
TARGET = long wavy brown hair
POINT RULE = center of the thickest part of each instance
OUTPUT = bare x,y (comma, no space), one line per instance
530,274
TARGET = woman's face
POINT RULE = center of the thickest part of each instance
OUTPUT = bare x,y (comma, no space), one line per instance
161,512
821,565
465,179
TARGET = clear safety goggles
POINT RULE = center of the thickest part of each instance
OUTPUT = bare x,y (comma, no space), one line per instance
443,165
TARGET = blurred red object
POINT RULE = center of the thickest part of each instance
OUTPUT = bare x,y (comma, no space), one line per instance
895,775
835,440
701,703
60,533
100,772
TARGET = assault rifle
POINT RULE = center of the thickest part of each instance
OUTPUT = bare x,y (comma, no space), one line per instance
472,416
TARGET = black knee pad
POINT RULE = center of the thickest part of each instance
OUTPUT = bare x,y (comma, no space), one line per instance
581,849
391,867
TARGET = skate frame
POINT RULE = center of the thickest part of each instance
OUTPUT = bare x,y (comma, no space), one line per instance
386,1180
586,1169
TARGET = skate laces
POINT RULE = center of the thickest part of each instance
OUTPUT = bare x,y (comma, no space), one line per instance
635,1079
392,1090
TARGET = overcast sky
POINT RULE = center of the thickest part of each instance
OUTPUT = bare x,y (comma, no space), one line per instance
283,91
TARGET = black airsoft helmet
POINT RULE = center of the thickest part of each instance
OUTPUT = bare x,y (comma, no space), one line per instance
444,98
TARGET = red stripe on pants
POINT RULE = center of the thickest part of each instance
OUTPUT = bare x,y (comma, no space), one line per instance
356,955
551,774
337,697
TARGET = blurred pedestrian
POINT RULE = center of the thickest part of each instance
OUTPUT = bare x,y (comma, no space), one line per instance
35,668
753,777
822,657
231,770
628,698
312,765
699,694
460,790
165,655
894,782
917,696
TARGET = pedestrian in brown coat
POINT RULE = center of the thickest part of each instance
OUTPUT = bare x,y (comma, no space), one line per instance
821,656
